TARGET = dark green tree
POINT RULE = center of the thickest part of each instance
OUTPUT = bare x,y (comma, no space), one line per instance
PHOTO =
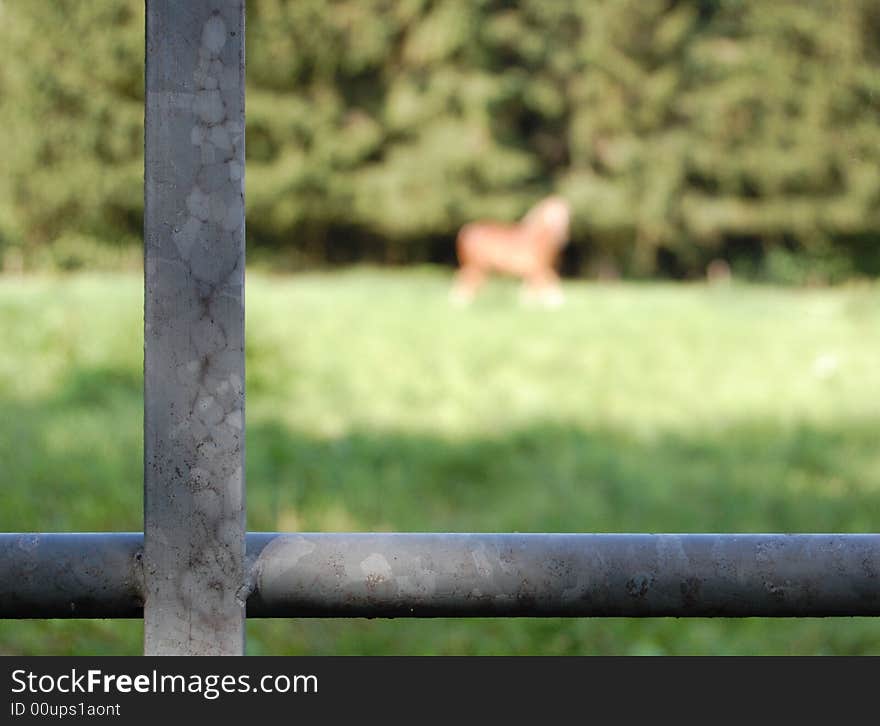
680,130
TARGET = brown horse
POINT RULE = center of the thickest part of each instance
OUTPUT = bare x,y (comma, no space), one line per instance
528,250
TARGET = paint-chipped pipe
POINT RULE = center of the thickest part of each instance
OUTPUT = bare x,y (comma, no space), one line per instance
619,575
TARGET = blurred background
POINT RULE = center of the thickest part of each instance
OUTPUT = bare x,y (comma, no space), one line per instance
688,135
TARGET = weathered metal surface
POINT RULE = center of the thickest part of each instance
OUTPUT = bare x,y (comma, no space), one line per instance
459,575
465,575
71,575
194,327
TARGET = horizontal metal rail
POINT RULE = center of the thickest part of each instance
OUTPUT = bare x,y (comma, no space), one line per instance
470,575
71,575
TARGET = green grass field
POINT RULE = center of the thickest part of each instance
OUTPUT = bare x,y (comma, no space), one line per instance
375,405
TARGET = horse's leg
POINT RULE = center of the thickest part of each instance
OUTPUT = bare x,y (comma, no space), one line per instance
529,292
542,287
552,296
468,280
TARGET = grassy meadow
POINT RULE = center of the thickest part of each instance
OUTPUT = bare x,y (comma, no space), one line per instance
373,404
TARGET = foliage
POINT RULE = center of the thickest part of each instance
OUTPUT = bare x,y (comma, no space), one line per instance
374,405
681,130
71,107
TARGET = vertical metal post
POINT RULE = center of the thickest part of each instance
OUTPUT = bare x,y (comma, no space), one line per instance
194,504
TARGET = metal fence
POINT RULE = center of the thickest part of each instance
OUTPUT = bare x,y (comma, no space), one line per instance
194,574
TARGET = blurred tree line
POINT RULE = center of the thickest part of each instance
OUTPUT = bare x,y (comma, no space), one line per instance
680,130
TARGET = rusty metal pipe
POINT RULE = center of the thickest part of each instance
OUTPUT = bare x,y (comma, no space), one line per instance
471,575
